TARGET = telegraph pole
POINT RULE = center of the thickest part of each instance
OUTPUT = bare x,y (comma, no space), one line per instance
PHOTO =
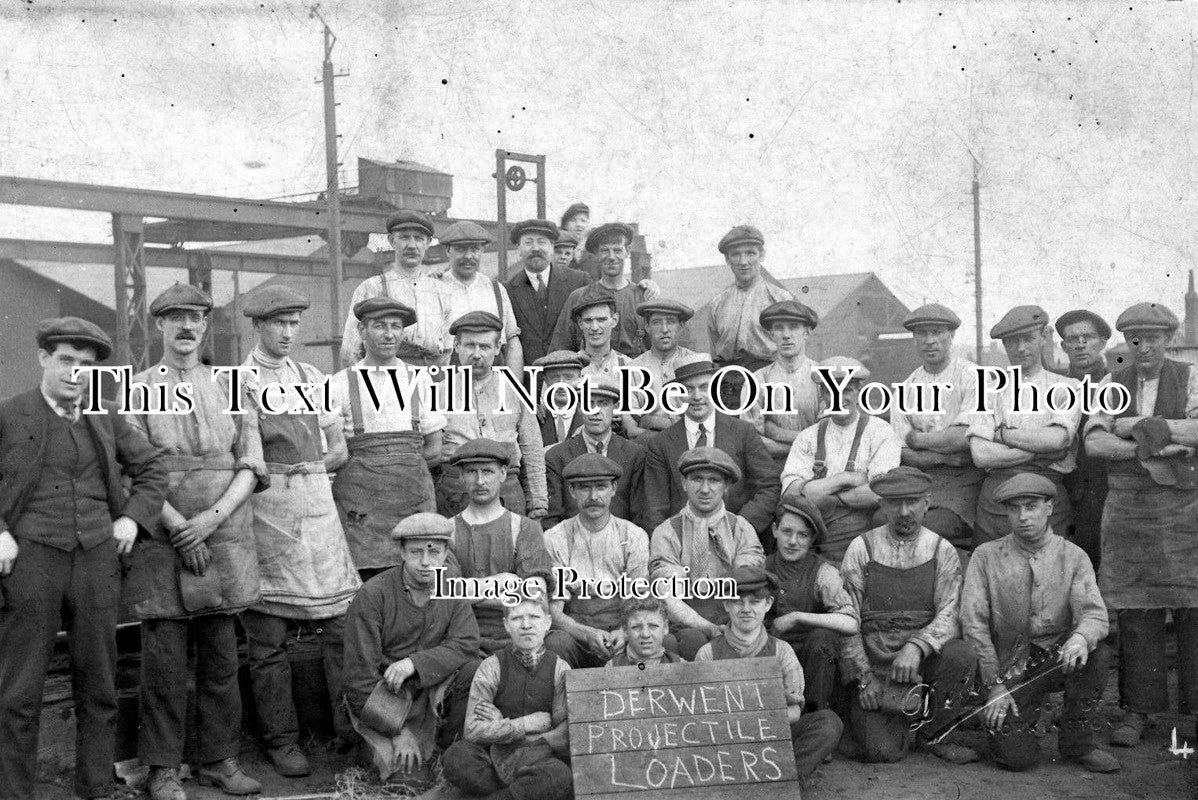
333,193
977,262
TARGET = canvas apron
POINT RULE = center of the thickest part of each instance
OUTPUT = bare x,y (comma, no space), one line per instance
896,603
844,524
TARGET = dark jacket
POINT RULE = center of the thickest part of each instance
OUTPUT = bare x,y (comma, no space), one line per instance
536,321
549,426
629,502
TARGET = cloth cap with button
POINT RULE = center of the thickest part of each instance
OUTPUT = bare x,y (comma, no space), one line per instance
542,226
464,232
573,211
594,296
73,330
932,314
901,482
1025,484
665,306
563,359
606,233
1147,316
410,219
741,234
477,451
373,307
591,466
755,579
475,321
181,295
605,387
1082,315
700,365
1018,320
566,239
802,507
788,311
711,458
840,366
424,525
274,300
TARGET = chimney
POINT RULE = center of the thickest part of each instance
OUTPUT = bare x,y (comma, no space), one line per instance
1191,323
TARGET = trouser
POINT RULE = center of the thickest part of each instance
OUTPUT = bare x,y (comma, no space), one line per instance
163,693
44,583
1016,746
540,775
818,651
885,736
813,737
1142,668
270,676
452,495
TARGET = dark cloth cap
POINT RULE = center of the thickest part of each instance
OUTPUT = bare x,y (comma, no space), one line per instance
605,387
563,359
665,306
754,579
592,466
384,306
791,504
741,234
606,232
181,295
464,232
410,219
932,314
274,300
788,310
567,238
424,525
574,210
901,482
709,458
476,450
73,330
594,295
690,369
1082,315
1018,320
544,226
476,321
1023,485
1147,316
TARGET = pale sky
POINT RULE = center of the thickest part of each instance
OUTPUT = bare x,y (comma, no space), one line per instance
843,131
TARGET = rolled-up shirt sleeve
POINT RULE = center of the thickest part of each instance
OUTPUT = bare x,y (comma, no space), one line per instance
944,626
975,616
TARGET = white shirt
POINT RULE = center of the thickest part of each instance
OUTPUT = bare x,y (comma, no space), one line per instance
389,418
692,431
534,277
72,415
880,451
962,399
479,295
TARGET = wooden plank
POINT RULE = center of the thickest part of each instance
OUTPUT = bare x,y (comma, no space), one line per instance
680,699
773,790
684,768
662,674
588,738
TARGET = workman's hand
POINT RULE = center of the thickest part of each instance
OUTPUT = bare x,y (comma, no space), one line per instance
1075,653
869,690
195,530
197,559
905,667
1000,706
594,640
487,712
1173,449
958,459
399,672
536,512
124,530
1123,426
407,750
538,722
615,642
915,440
8,553
652,290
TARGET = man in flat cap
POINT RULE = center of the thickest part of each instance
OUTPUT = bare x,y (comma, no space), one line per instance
408,653
563,250
702,541
65,522
832,462
471,290
490,542
427,341
596,315
539,288
1032,590
560,421
813,612
1085,336
496,415
198,568
590,547
754,497
787,324
905,581
577,221
1150,520
393,438
664,321
1005,443
937,442
307,573
596,436
734,325
813,734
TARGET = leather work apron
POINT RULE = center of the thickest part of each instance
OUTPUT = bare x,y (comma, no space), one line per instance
844,524
896,602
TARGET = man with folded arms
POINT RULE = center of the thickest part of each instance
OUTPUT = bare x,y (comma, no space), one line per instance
664,321
788,324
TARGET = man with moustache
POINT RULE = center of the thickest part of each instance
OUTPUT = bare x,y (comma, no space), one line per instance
788,324
425,343
65,522
538,290
393,439
937,442
558,423
470,290
199,568
664,319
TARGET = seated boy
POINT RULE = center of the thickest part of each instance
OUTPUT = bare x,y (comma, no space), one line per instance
646,627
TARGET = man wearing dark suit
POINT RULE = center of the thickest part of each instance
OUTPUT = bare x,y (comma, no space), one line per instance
65,520
538,290
560,366
596,437
753,498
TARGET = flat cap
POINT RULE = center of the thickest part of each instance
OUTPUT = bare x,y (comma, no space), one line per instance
1025,484
76,331
606,232
1147,316
741,234
592,466
901,482
1082,315
801,506
605,387
709,458
665,306
594,295
932,314
573,211
788,311
701,365
840,366
181,295
567,238
274,300
1018,320
410,219
476,321
563,359
424,525
543,226
384,306
480,450
464,232
755,579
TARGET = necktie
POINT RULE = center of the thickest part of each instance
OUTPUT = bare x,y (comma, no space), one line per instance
542,291
702,440
561,428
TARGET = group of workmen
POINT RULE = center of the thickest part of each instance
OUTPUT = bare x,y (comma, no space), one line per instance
905,573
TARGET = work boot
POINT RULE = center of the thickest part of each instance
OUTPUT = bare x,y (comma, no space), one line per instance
1098,761
229,776
952,753
1130,730
289,761
163,784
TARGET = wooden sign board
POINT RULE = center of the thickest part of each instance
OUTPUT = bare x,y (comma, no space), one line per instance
682,731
